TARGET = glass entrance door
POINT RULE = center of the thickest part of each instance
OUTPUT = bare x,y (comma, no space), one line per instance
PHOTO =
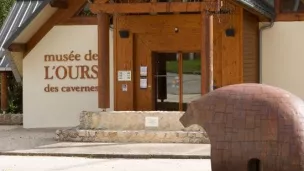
177,80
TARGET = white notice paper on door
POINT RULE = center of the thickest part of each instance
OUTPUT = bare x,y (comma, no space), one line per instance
143,83
143,71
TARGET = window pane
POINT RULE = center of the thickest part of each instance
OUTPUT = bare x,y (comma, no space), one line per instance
167,82
191,78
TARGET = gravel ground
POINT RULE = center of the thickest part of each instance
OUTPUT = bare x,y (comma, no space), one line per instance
17,138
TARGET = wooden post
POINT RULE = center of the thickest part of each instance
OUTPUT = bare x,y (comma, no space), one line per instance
103,61
4,84
205,51
277,6
180,77
211,78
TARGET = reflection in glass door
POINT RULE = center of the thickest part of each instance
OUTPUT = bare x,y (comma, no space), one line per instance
191,77
177,80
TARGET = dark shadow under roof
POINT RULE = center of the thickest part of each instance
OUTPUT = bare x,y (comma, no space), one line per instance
4,64
21,14
264,7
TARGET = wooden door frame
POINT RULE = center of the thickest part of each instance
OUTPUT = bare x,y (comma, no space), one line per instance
180,75
126,50
149,53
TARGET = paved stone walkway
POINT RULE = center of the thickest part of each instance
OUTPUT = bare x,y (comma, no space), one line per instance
16,138
22,163
18,141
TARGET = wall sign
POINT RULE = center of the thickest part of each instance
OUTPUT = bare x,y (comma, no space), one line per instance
124,76
69,66
151,121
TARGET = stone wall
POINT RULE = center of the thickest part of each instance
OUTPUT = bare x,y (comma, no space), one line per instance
134,120
11,119
133,127
140,136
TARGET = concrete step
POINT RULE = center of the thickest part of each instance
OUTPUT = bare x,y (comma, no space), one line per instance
132,136
134,120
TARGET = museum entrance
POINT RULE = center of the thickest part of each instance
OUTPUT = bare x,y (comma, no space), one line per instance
177,80
150,55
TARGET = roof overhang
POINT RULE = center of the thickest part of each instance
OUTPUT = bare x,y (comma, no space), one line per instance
34,25
257,7
32,22
24,18
4,64
260,7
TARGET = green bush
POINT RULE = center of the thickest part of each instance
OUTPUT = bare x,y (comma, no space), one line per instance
5,6
15,103
14,88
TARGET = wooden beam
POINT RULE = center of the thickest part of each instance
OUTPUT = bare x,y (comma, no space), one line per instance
277,6
100,1
103,61
261,17
60,16
181,82
158,7
4,91
17,47
117,1
210,57
290,17
62,4
80,21
205,50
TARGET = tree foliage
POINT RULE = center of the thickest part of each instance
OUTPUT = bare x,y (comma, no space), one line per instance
5,6
14,88
15,100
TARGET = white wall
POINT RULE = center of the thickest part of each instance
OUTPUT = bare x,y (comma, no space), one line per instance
283,56
60,109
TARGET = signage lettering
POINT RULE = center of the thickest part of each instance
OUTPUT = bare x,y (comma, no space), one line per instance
70,71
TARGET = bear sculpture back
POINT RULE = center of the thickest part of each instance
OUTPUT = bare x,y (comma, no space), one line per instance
251,127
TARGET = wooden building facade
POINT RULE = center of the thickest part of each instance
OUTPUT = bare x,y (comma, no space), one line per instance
147,31
165,53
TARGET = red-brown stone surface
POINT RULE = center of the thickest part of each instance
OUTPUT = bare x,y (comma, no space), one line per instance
251,121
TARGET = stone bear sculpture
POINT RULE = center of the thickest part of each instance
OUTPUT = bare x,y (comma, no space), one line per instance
251,127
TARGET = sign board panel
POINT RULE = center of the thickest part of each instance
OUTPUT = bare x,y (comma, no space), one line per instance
124,76
151,121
